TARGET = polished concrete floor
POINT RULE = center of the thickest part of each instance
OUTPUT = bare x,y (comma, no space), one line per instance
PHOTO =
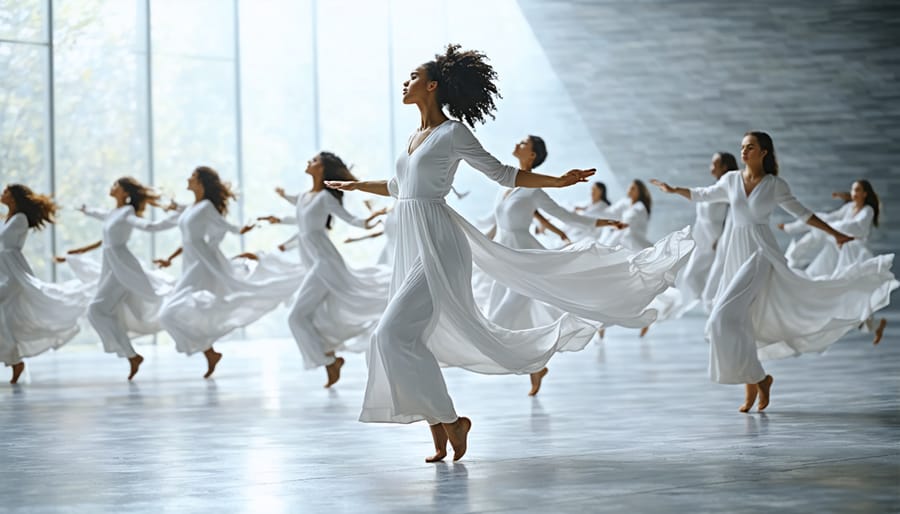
626,425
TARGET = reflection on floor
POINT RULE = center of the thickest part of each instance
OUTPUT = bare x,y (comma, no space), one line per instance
627,425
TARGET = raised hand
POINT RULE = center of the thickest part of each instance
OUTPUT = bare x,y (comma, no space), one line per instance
247,228
666,188
842,238
841,195
575,176
246,255
280,191
162,263
342,185
271,219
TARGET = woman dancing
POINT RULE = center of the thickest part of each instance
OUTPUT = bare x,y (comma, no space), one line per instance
513,215
211,299
334,304
34,316
762,308
128,297
431,318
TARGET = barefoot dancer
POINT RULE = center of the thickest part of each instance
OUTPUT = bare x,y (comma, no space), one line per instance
211,299
856,218
762,308
513,214
34,316
335,304
431,318
128,298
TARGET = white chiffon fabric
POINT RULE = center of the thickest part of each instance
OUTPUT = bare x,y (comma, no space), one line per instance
513,213
829,260
580,232
127,296
386,257
35,316
432,319
763,309
634,237
214,296
336,307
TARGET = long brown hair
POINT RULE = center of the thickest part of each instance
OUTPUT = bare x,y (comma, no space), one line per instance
770,163
334,169
38,209
871,198
214,190
139,195
644,195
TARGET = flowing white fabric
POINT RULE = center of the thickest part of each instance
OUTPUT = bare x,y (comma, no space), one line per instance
432,318
829,259
580,232
803,250
127,296
513,214
634,237
34,316
762,308
389,223
213,296
336,307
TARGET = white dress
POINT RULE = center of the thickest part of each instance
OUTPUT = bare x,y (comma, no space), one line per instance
830,260
513,214
432,319
336,306
128,297
34,316
579,232
638,219
762,308
709,224
213,297
389,224
801,251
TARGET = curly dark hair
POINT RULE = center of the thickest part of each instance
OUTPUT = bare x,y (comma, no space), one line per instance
334,169
770,162
139,195
214,190
871,198
539,147
465,84
38,209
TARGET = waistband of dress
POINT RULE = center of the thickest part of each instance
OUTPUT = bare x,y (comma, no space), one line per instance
422,200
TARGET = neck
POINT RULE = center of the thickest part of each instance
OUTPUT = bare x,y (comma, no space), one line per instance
120,202
318,185
525,166
860,204
755,171
431,115
198,197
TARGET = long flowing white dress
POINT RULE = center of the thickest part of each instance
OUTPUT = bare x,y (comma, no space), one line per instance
801,251
213,297
336,307
829,259
35,316
432,319
513,214
389,224
634,237
128,297
762,308
580,232
709,224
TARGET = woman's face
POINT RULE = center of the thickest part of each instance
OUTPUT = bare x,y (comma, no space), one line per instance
117,192
194,184
716,168
858,193
7,199
524,149
315,167
751,153
633,192
417,87
596,193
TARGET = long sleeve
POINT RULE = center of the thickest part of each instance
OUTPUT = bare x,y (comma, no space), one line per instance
99,214
467,148
218,220
543,202
291,219
616,210
796,227
717,192
335,207
859,226
293,242
146,225
788,202
292,198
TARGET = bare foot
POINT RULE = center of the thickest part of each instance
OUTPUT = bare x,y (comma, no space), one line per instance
644,330
536,379
458,434
212,358
334,371
17,370
135,363
752,390
764,387
439,435
879,332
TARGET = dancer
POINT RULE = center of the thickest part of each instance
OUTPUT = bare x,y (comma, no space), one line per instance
334,304
128,297
634,211
855,218
513,213
762,308
597,208
431,317
211,298
34,316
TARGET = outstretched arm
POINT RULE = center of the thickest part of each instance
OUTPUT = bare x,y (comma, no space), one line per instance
376,187
666,188
165,263
571,177
550,226
79,251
